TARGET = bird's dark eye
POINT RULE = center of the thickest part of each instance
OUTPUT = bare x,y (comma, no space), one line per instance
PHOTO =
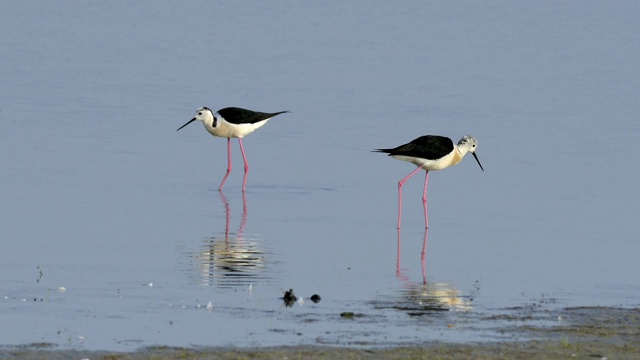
200,113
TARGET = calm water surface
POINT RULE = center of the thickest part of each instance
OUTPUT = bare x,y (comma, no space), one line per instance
102,197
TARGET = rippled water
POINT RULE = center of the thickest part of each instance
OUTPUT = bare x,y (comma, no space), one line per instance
114,235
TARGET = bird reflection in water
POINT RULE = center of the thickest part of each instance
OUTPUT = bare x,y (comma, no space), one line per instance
232,259
422,298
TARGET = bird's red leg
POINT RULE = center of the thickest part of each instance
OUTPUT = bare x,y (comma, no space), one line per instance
246,166
228,166
424,201
400,183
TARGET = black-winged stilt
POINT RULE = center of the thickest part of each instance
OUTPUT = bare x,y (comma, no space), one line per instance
430,152
232,122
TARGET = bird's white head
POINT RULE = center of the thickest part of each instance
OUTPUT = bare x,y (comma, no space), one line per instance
203,114
469,144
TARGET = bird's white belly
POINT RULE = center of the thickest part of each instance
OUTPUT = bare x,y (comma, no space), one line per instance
426,164
229,130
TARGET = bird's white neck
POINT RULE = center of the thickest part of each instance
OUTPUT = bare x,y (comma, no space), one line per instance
462,150
210,123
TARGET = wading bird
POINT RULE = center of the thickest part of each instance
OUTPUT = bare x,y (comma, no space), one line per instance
232,122
430,152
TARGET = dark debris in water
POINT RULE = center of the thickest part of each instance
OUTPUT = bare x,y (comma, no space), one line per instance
289,298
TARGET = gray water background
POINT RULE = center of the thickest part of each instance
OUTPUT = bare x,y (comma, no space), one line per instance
100,195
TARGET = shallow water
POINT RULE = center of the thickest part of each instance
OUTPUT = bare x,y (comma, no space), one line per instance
103,197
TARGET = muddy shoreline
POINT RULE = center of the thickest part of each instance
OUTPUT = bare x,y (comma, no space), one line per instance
589,332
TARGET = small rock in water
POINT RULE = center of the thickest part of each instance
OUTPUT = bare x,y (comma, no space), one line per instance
315,298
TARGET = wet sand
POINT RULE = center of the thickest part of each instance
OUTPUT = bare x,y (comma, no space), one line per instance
589,332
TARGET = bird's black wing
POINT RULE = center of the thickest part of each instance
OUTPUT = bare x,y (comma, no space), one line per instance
236,115
429,147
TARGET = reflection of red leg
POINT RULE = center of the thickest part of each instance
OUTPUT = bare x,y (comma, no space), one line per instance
400,183
424,201
227,210
228,165
398,257
424,256
246,166
244,214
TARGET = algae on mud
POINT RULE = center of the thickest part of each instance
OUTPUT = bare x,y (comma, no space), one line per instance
586,332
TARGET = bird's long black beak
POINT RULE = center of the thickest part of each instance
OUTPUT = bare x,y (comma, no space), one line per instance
474,155
188,122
